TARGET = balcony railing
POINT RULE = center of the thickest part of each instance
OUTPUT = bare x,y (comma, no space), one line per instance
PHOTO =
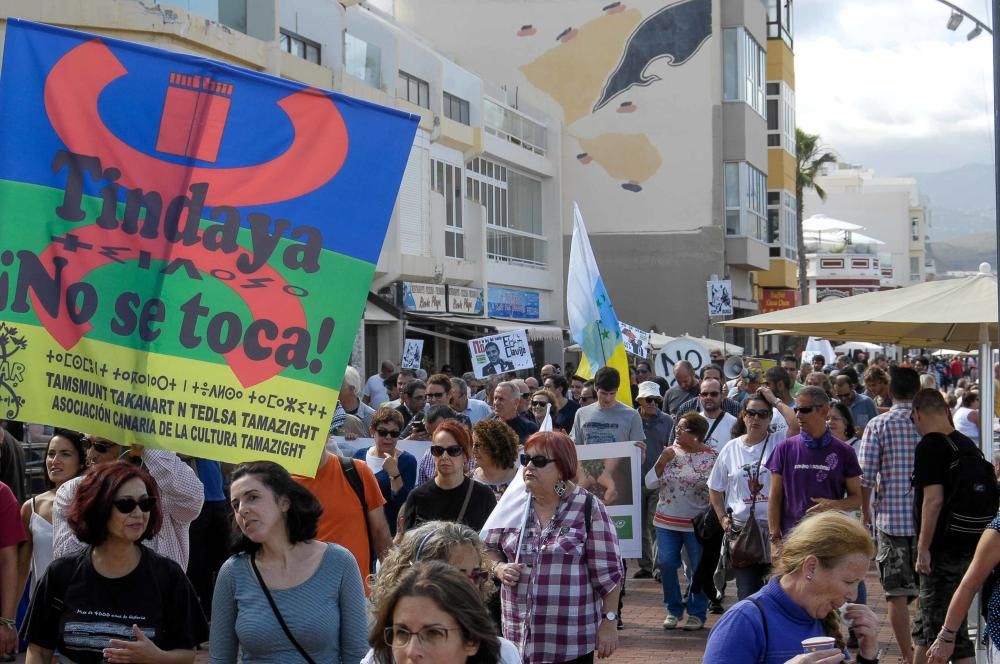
513,126
513,247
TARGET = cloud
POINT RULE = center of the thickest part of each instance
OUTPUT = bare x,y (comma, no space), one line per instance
887,85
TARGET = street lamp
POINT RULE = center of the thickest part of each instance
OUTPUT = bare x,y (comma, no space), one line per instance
954,20
976,31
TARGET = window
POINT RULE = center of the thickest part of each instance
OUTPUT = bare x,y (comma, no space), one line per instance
513,203
456,108
744,69
299,46
914,268
446,179
781,116
514,126
414,90
363,60
779,20
782,225
915,229
746,201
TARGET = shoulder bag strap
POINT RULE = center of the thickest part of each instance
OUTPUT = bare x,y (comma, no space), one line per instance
465,503
760,460
354,479
277,613
763,620
711,430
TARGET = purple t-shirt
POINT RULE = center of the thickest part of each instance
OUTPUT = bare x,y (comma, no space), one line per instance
808,473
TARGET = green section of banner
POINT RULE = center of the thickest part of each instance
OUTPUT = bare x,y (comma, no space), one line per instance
215,305
623,526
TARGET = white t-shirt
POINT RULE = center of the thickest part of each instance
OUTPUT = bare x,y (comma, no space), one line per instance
729,477
375,391
722,433
508,654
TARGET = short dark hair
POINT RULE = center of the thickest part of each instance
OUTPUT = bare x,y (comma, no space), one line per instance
441,380
931,400
851,373
94,501
778,375
493,345
696,423
448,589
390,381
608,379
413,386
969,398
663,383
440,412
386,416
642,362
498,440
560,383
711,367
818,357
903,383
789,358
304,510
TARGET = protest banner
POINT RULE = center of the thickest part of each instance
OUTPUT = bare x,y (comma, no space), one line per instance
611,471
187,245
720,297
636,341
413,350
501,353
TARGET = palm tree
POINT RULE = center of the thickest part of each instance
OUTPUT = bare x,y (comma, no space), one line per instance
810,156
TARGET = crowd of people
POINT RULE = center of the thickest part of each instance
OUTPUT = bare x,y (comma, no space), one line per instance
786,481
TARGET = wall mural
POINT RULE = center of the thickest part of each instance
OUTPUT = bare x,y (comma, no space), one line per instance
602,60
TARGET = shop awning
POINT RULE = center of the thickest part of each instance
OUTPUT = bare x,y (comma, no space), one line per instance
477,326
536,331
376,314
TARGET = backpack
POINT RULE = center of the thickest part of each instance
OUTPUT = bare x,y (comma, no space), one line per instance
971,503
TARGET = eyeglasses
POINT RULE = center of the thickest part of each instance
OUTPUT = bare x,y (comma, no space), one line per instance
99,446
683,430
710,394
539,404
430,637
538,460
419,397
649,400
387,433
805,410
452,450
762,414
436,395
128,505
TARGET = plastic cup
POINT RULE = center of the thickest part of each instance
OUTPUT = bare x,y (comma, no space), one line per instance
818,643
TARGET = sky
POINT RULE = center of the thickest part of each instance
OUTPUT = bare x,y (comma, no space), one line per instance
887,85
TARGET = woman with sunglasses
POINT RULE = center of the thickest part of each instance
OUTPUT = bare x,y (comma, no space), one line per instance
541,401
395,470
562,579
494,448
116,601
64,460
450,495
284,597
433,615
740,479
452,543
681,474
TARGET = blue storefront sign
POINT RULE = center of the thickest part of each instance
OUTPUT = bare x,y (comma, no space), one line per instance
511,303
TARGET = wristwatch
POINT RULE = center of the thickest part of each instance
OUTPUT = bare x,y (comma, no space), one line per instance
612,616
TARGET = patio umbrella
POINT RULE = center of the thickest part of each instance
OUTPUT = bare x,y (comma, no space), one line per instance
952,313
858,345
820,223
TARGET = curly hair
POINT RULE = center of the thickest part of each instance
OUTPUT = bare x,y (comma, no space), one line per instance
91,508
498,440
433,540
449,590
304,511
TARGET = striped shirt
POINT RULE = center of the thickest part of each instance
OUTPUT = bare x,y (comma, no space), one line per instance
888,448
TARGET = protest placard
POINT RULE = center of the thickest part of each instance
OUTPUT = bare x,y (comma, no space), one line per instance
413,350
611,471
187,245
501,353
636,341
720,297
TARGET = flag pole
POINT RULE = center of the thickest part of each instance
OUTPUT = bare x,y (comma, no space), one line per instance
524,524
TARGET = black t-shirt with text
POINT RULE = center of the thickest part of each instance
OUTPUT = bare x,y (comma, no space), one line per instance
78,611
429,502
933,460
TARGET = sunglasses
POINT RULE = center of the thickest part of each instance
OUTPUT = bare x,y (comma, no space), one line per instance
538,460
805,410
387,433
436,395
128,505
478,576
762,414
452,450
649,400
100,447
526,395
683,430
587,399
710,394
539,404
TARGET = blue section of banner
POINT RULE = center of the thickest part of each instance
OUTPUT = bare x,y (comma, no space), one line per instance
511,303
352,209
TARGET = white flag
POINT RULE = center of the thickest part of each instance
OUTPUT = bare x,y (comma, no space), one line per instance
510,510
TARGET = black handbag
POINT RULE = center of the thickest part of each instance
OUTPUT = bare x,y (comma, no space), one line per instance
746,545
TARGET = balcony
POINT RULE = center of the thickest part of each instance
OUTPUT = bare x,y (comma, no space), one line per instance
850,266
514,127
514,247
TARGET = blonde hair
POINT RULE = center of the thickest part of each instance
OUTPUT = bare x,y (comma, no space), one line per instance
830,537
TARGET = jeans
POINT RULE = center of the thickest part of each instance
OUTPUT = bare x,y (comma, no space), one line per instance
669,543
749,580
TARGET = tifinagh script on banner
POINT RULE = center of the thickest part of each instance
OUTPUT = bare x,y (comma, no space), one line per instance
187,246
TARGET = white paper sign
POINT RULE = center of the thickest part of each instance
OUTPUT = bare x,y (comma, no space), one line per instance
413,349
612,472
501,353
636,341
720,297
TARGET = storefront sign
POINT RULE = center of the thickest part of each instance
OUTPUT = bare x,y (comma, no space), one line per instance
430,298
463,300
511,303
776,299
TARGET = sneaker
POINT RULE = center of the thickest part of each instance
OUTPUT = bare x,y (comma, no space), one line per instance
643,574
693,624
656,575
716,607
670,622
